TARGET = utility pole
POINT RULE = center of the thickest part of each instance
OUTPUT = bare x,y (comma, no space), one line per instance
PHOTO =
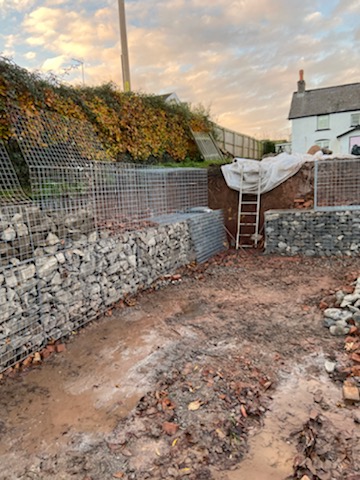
124,48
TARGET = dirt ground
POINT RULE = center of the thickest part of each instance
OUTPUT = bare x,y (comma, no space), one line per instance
217,375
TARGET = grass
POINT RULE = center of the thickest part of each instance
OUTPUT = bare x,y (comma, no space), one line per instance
197,164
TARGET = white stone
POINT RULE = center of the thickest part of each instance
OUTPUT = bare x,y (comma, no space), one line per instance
26,272
52,239
60,257
10,279
132,260
46,266
21,230
8,235
93,237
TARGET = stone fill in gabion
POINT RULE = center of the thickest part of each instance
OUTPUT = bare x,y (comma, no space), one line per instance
312,233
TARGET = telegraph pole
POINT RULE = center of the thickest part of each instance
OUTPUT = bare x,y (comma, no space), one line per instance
124,48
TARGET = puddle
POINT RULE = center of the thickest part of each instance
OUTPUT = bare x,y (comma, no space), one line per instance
89,388
271,451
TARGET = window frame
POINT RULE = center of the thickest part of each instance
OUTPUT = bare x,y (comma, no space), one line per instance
323,118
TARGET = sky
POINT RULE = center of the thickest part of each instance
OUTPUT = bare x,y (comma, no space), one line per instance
239,59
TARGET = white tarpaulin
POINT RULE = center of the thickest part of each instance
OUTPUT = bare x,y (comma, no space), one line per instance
274,171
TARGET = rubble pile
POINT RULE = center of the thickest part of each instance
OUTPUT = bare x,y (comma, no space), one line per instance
342,318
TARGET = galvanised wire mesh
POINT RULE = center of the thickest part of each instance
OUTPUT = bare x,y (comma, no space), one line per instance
337,184
21,331
54,275
71,173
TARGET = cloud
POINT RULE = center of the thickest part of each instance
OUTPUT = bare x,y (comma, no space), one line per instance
30,55
15,5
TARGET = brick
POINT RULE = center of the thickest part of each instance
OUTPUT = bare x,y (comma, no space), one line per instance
27,362
170,428
351,392
60,348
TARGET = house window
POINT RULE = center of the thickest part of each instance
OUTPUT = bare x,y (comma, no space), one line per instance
323,143
355,119
323,122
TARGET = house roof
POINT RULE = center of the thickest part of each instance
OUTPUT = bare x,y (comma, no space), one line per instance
322,101
349,131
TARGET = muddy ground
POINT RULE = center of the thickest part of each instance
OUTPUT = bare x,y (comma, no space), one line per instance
219,375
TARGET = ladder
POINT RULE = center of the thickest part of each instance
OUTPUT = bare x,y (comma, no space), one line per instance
248,215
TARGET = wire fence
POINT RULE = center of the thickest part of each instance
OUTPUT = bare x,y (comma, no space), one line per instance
337,184
61,260
71,173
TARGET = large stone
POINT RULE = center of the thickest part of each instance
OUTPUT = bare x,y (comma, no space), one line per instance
21,230
46,266
337,314
10,279
8,235
26,272
52,239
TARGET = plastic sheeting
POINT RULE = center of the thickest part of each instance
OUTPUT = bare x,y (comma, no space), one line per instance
274,171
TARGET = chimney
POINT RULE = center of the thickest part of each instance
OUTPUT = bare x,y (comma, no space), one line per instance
301,82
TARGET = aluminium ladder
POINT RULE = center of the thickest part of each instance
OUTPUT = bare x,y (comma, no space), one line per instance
248,209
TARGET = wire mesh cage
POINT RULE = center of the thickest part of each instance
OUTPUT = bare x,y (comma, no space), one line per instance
62,256
337,184
70,172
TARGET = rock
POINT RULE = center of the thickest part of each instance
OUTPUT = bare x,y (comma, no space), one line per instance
330,366
351,392
93,237
46,266
337,314
8,235
339,330
52,239
329,322
26,272
349,300
10,279
21,230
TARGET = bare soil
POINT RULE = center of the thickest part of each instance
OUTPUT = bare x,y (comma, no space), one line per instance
219,375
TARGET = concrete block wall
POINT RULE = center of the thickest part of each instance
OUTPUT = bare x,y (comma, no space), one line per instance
312,233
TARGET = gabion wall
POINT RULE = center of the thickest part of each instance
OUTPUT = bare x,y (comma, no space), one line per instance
57,291
311,233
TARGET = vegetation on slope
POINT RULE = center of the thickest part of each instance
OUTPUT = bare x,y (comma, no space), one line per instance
132,126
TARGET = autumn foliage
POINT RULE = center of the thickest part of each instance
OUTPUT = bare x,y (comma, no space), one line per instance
132,126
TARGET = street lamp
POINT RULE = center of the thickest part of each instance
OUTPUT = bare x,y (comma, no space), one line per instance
124,48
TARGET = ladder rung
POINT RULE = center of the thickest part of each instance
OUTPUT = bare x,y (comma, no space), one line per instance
249,203
248,213
247,224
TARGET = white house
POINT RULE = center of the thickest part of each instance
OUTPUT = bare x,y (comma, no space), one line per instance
328,117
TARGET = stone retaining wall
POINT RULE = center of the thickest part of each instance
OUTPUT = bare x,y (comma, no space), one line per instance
312,233
59,289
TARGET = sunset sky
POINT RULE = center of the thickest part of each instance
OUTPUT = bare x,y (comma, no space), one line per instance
239,59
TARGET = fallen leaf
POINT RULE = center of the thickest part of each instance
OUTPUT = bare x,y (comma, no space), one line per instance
167,404
195,405
118,475
243,411
174,442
